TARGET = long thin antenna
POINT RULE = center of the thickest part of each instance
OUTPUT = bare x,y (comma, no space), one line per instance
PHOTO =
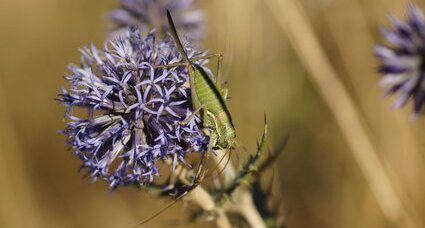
156,214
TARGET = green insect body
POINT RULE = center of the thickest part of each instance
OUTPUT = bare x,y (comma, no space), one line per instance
207,99
215,114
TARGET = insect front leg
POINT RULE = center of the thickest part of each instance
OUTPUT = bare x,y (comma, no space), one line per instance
168,66
210,122
194,113
223,91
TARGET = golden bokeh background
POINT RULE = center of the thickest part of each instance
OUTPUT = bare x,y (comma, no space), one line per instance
321,180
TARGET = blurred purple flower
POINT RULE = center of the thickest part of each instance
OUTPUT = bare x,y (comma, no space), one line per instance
133,109
151,14
403,61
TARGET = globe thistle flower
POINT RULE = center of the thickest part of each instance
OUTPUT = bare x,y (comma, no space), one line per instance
403,61
150,14
134,109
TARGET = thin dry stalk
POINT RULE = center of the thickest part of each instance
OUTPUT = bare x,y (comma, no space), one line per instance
204,200
293,21
241,199
402,153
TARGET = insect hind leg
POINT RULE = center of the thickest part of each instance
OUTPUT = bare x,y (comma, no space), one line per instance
200,172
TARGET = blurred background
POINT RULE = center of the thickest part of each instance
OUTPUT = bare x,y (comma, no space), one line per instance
320,180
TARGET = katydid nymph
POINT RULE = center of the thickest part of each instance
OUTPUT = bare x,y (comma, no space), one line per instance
208,101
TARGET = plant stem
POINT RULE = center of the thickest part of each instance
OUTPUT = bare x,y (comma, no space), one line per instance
225,167
204,200
241,202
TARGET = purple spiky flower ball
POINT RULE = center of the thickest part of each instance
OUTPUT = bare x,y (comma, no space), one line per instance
149,14
403,60
125,112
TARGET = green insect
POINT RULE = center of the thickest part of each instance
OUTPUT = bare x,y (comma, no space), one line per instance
209,101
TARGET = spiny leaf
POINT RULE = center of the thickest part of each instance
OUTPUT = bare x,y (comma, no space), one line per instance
250,166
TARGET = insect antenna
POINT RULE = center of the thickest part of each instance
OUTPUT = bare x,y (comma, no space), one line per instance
156,214
190,188
210,174
177,197
181,191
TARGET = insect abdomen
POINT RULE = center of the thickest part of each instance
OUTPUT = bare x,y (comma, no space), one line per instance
209,97
207,93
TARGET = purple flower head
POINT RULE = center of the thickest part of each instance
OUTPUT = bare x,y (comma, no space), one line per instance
150,14
403,61
133,109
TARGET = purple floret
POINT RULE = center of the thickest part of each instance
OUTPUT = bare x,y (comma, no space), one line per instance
403,61
150,14
133,109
